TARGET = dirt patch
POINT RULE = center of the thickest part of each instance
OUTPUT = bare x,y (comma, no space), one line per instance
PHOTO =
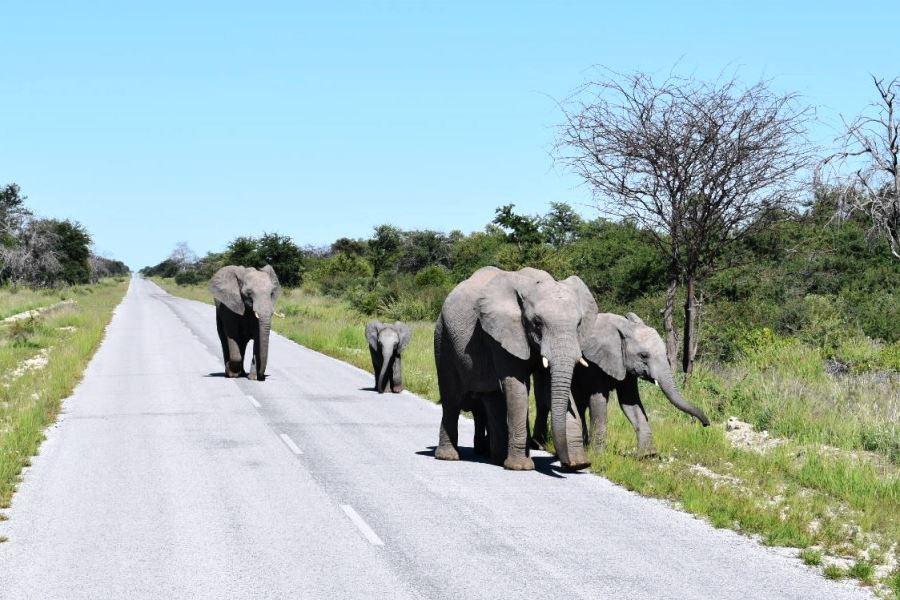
31,314
742,435
35,363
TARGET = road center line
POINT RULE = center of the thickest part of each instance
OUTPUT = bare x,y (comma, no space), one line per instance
290,444
254,401
362,525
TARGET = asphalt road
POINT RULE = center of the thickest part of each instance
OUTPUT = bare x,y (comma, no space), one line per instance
165,480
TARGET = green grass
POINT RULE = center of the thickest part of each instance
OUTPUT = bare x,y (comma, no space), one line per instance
14,300
834,572
811,557
31,401
832,483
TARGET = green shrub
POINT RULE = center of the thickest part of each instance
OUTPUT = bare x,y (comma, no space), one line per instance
434,275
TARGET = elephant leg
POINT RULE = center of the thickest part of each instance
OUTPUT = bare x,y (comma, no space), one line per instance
515,391
234,362
599,407
376,365
494,407
223,339
630,401
448,437
243,353
254,373
542,414
481,439
397,376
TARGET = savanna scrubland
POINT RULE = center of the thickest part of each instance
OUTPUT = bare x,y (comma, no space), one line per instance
771,267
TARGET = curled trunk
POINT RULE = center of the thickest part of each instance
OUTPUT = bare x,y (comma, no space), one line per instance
667,385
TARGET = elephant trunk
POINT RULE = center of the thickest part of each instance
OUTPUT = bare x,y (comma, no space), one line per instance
667,385
567,435
387,354
265,328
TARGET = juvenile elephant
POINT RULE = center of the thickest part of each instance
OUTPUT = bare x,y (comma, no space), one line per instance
245,301
386,342
494,331
620,350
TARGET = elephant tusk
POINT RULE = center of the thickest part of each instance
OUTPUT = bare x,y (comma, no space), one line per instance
256,313
279,315
656,383
583,362
545,361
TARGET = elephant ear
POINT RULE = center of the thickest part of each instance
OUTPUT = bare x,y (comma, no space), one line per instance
588,307
225,286
500,314
604,347
276,286
372,334
405,335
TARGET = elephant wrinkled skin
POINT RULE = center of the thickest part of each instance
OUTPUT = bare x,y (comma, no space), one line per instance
386,342
494,332
620,350
245,302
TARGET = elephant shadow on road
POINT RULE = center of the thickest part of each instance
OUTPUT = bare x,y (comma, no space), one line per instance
542,464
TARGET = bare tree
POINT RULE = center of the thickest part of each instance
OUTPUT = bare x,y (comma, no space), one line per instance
695,163
183,256
33,260
871,151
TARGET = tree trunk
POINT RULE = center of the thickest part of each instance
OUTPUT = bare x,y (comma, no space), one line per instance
669,323
690,327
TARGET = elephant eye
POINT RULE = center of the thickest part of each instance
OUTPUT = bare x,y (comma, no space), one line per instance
644,355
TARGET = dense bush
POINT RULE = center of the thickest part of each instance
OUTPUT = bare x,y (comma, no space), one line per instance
800,274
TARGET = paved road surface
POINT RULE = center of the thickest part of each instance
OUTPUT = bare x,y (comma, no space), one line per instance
165,480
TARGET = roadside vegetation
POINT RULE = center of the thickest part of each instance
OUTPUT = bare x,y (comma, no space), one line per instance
44,262
789,337
41,361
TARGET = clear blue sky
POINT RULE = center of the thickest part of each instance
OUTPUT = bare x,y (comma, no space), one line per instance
203,121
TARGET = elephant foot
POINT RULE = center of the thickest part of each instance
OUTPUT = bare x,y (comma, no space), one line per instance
518,463
252,375
647,452
397,389
231,374
446,453
578,466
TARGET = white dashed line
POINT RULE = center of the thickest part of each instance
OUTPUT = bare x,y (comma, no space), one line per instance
362,525
253,401
290,444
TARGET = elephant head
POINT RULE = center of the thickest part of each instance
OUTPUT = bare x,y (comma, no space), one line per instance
537,318
386,341
248,291
623,346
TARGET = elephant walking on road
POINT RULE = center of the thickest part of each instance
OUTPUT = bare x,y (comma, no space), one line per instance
245,302
494,332
386,343
620,350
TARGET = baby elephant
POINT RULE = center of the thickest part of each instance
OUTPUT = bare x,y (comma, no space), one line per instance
386,342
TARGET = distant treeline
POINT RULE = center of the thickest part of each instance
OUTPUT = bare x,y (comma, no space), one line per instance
801,273
39,252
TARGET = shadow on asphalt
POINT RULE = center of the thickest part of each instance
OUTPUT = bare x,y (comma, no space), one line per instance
542,464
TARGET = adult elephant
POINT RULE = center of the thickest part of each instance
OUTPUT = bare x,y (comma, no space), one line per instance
495,330
386,342
620,351
245,301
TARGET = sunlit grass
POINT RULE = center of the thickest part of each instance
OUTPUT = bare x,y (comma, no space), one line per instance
30,399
